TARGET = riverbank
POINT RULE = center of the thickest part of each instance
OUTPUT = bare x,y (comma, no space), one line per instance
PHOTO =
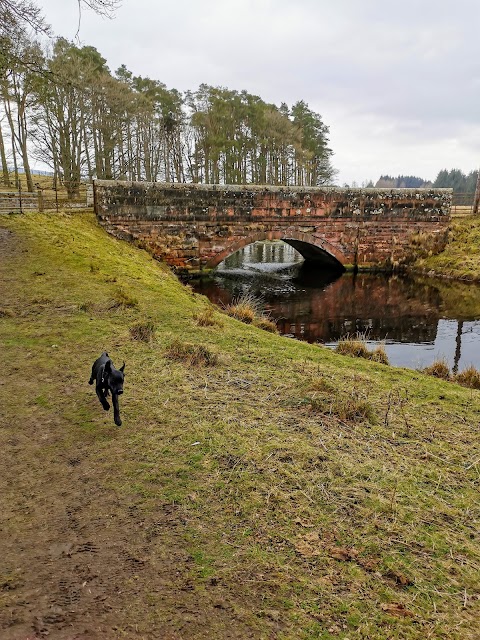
460,259
271,489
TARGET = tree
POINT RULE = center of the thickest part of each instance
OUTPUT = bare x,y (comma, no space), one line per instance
313,166
17,82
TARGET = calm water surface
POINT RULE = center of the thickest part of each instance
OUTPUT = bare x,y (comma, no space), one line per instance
419,320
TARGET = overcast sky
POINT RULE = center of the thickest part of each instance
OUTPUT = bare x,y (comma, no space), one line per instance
397,83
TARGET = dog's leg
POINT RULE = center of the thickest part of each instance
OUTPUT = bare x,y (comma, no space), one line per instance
116,410
92,377
101,397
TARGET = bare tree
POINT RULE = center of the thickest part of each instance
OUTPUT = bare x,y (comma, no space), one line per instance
25,14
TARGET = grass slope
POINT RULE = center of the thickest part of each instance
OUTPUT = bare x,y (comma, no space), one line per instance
461,257
284,491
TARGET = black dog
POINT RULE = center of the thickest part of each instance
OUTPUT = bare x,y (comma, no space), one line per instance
107,379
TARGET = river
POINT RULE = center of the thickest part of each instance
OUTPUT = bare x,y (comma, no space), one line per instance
419,320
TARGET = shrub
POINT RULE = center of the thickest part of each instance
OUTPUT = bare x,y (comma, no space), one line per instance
469,377
438,369
143,331
192,354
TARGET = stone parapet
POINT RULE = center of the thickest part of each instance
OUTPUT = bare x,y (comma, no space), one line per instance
193,226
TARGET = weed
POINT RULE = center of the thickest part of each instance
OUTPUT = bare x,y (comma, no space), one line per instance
438,369
192,354
469,377
143,331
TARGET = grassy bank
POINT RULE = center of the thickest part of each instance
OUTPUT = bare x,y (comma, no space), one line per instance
461,257
265,489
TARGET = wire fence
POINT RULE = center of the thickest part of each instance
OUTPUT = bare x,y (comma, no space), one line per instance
462,203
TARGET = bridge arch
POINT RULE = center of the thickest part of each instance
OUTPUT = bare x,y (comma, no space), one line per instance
313,249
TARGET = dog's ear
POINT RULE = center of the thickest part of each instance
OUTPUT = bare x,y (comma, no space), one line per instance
108,366
122,367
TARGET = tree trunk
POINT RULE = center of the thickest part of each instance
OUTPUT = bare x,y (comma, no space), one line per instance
3,156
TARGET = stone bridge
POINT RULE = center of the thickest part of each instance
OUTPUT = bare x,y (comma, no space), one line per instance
193,227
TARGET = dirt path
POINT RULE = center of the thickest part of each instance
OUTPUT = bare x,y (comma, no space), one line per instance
78,560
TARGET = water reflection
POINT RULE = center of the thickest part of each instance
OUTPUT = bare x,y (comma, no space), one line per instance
419,320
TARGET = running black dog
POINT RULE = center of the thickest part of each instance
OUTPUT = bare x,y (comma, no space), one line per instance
107,379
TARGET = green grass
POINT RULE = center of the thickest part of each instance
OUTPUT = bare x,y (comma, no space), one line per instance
322,496
461,257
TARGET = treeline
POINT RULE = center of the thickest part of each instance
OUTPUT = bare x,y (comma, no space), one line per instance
402,182
457,180
65,108
454,179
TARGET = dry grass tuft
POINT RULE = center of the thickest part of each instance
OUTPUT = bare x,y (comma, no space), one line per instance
379,355
352,346
266,324
347,408
6,313
193,354
356,347
241,311
88,306
469,377
438,369
143,331
123,299
244,308
248,309
206,318
321,385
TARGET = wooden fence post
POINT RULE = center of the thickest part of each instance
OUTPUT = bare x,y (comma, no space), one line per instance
476,200
40,199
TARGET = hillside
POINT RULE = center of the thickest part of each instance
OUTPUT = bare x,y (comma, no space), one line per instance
275,491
